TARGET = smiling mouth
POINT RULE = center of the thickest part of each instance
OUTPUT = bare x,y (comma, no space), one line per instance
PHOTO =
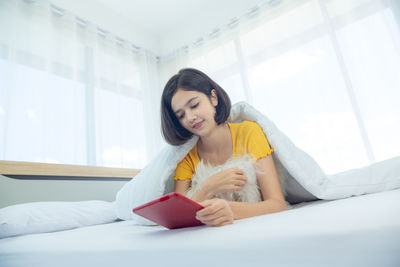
198,125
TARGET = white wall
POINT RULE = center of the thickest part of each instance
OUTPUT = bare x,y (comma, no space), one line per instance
15,191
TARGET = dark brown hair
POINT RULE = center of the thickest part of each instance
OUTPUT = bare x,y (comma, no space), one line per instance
190,80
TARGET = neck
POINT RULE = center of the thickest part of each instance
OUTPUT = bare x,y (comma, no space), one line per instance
217,140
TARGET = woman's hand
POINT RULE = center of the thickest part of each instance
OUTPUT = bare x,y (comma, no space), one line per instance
216,212
228,180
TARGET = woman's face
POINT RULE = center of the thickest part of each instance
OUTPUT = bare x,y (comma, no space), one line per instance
195,111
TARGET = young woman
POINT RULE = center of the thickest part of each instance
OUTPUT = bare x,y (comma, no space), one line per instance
193,104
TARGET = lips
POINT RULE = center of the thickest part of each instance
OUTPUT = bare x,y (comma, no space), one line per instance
198,125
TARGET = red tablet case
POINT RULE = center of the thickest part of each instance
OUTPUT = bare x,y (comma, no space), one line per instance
171,211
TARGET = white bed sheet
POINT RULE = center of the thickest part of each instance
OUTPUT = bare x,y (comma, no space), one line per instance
358,231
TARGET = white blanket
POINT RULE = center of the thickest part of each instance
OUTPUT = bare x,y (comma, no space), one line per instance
298,169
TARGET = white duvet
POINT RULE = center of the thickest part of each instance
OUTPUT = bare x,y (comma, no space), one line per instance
305,180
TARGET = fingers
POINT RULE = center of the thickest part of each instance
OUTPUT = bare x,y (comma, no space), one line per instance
217,212
239,182
239,174
220,221
236,188
228,180
210,207
234,183
217,219
236,175
233,187
236,171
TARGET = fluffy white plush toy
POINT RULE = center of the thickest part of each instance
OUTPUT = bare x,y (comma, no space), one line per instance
250,191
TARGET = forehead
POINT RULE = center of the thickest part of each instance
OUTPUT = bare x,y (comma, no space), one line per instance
181,98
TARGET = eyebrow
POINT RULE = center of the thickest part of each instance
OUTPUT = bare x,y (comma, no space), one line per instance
187,103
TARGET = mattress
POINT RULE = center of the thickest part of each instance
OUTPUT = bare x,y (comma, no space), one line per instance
357,231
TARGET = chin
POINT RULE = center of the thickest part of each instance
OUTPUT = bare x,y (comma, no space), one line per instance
206,130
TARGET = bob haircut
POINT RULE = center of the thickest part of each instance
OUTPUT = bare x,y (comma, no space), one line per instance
190,80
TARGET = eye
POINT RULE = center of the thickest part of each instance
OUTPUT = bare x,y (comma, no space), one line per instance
181,116
195,105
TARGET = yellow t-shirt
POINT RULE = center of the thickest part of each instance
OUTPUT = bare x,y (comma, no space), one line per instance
247,138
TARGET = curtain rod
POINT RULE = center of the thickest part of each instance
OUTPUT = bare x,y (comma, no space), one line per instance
214,33
231,24
83,23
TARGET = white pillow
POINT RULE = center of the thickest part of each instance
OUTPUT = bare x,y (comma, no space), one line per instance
42,217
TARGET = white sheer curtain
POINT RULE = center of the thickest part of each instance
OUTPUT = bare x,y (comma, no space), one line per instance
70,93
327,72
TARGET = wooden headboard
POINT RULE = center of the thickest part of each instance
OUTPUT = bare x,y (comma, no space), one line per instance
62,171
22,182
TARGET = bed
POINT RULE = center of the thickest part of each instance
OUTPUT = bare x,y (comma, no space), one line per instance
357,223
356,231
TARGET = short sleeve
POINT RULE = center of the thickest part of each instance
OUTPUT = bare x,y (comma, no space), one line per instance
184,170
258,145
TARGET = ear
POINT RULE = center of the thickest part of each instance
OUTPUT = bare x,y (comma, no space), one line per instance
214,98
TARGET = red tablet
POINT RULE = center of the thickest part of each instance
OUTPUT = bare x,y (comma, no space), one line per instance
172,211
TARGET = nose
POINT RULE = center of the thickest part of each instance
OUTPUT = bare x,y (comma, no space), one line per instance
191,116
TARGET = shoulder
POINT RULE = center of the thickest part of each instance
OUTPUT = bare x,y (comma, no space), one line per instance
247,130
246,126
191,156
191,159
251,124
185,169
249,138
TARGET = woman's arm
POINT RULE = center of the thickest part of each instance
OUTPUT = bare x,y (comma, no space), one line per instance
227,180
218,212
181,186
273,199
